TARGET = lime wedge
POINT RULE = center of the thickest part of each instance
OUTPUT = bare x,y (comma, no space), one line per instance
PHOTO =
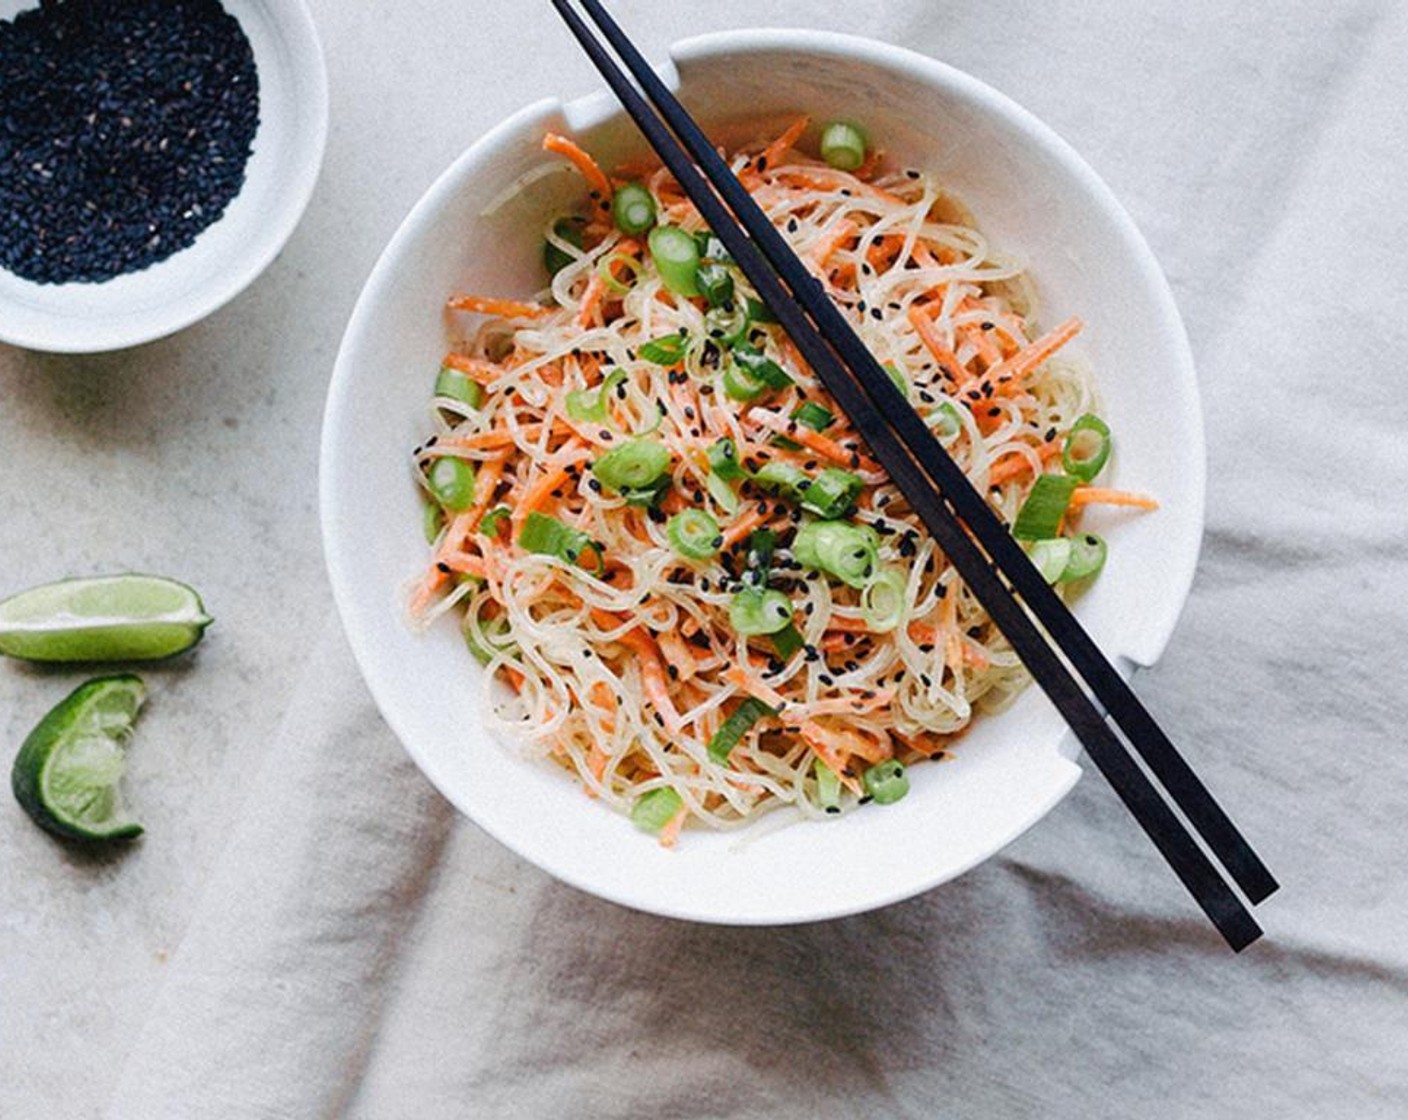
108,618
66,774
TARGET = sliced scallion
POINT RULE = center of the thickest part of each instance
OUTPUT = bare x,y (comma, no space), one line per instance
849,552
843,145
787,641
1087,558
591,406
778,477
828,787
636,465
555,258
606,269
633,208
884,599
432,521
732,730
451,482
1050,557
945,421
832,493
723,461
490,522
1041,514
1087,447
724,495
715,282
694,534
676,256
898,378
726,325
667,350
814,416
739,385
456,385
754,611
886,782
759,367
654,810
547,536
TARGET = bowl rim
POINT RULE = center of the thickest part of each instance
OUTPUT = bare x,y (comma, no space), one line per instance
591,106
296,27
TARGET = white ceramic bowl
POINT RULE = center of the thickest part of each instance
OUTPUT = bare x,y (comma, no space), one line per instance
1036,198
80,318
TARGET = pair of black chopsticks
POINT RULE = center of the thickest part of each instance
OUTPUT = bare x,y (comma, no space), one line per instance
963,524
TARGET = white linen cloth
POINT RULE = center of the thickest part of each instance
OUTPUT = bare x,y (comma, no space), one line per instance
360,951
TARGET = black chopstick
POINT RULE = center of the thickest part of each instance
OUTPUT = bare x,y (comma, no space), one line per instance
860,398
1110,688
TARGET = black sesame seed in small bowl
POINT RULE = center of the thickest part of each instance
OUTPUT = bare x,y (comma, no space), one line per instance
155,155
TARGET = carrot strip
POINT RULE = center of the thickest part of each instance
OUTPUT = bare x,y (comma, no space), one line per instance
591,300
652,670
740,677
677,654
507,308
842,232
923,324
1013,369
484,372
774,151
590,169
823,445
1096,495
486,482
749,521
671,832
1012,464
550,480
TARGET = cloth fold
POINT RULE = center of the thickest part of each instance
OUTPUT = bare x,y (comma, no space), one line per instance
274,995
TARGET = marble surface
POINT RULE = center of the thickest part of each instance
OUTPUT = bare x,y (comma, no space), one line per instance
1259,148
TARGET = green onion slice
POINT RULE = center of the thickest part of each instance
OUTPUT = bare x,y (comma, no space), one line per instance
843,145
1050,557
547,536
828,787
759,367
1087,557
606,266
739,385
814,416
636,465
724,495
489,524
761,544
432,521
886,782
849,552
456,385
884,600
633,208
732,730
667,350
759,312
832,493
451,482
1040,515
723,461
778,477
1087,447
945,421
654,810
898,378
555,258
694,534
588,406
676,256
787,641
755,611
715,283
727,325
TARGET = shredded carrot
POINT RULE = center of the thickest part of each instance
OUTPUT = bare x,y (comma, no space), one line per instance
677,654
774,151
507,308
652,673
1095,495
1011,371
823,445
753,685
484,372
671,832
923,324
840,233
1012,464
538,493
590,169
486,482
591,300
747,522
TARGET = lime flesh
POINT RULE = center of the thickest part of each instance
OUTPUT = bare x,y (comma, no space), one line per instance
67,772
107,618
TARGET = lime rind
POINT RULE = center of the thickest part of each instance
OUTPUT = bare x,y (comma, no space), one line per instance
67,774
105,618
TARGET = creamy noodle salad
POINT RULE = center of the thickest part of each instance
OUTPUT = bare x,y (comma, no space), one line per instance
689,582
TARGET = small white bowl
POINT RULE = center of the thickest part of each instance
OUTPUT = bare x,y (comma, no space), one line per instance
1035,198
137,307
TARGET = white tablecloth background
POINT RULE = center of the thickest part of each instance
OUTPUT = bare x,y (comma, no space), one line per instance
308,931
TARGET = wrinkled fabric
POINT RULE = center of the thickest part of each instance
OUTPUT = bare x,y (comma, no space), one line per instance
359,951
